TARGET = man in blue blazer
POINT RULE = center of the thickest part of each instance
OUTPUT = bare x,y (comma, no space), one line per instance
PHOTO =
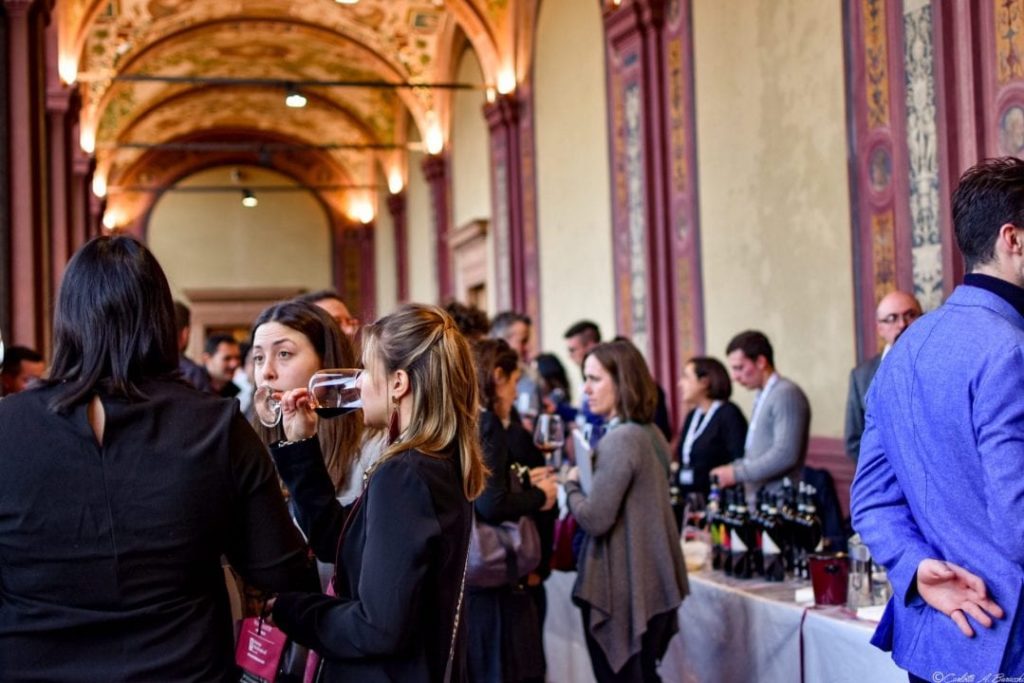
939,491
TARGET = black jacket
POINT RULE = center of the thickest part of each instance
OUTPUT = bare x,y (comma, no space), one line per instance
400,565
720,443
110,556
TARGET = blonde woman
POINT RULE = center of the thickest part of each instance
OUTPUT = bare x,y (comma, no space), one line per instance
401,548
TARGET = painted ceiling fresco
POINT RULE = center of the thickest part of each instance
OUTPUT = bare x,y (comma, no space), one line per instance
260,47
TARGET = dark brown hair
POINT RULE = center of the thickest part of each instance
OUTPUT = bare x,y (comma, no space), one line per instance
489,354
636,395
711,369
340,440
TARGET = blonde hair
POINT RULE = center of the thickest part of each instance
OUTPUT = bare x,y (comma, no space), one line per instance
425,343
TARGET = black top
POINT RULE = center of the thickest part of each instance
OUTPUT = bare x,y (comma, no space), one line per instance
524,451
110,556
720,443
498,503
400,565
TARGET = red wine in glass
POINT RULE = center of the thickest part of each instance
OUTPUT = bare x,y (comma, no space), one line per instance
333,392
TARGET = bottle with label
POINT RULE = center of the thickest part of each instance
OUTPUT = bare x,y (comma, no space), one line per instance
714,522
773,541
741,540
728,522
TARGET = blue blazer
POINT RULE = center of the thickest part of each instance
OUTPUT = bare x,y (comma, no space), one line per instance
941,475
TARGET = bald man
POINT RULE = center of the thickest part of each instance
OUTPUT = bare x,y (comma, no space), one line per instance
894,314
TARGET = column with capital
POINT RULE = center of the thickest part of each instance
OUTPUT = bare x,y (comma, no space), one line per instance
25,281
397,206
655,216
435,170
58,119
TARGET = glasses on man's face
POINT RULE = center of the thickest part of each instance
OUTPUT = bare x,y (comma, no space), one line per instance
906,316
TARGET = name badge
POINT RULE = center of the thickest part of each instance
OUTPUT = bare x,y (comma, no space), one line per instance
686,476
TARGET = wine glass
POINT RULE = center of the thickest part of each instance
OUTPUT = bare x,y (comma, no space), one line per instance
333,392
549,437
1,350
266,403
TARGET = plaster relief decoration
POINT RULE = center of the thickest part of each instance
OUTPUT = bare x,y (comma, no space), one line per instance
876,62
637,220
922,149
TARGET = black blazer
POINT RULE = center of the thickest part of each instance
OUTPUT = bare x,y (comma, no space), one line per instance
720,443
110,556
400,563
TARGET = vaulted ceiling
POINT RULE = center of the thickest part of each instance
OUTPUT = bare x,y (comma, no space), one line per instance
160,75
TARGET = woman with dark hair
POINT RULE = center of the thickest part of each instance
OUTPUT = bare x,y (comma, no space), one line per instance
290,341
554,386
120,489
714,430
505,630
400,549
631,578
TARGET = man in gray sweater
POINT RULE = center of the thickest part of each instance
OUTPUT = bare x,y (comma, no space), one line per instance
780,423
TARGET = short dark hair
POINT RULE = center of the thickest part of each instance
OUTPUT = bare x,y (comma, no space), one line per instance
636,393
319,295
489,354
505,320
587,328
214,341
989,195
471,321
753,344
711,369
113,323
14,356
182,315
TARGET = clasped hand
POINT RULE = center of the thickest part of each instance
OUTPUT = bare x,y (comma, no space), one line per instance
956,592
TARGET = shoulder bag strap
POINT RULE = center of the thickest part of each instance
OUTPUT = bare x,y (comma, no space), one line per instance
455,627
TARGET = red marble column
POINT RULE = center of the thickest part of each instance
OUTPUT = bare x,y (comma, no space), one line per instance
435,170
82,166
26,285
655,217
58,101
397,206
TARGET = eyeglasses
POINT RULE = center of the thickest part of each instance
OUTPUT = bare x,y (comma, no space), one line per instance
906,316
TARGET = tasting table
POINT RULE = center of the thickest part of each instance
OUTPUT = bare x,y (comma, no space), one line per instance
735,630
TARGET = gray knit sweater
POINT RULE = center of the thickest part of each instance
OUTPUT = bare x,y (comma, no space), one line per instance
631,566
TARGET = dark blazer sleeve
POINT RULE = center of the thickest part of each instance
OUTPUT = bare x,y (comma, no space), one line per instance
402,533
498,503
734,430
317,510
854,417
265,547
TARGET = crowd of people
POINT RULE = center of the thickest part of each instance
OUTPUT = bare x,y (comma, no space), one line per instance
149,473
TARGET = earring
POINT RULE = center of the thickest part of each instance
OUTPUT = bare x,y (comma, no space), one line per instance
393,423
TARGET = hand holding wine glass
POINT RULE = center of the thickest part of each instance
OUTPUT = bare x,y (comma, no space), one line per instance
549,437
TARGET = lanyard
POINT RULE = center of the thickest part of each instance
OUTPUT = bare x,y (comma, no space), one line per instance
695,430
758,404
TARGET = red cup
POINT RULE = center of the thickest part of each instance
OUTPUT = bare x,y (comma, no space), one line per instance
829,577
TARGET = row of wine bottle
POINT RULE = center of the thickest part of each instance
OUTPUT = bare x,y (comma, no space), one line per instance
771,540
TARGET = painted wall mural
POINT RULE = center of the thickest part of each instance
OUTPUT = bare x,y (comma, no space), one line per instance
923,152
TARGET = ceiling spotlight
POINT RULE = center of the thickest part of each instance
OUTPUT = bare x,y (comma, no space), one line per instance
295,99
346,2
249,199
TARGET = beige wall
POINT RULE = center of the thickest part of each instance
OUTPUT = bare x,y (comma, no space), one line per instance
422,266
471,169
385,264
573,199
209,240
471,162
775,215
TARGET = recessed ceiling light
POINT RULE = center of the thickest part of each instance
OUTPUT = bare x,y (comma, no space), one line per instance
346,2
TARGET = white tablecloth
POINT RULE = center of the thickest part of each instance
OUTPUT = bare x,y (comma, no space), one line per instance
733,631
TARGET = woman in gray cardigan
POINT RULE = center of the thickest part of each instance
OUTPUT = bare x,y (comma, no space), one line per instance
632,578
